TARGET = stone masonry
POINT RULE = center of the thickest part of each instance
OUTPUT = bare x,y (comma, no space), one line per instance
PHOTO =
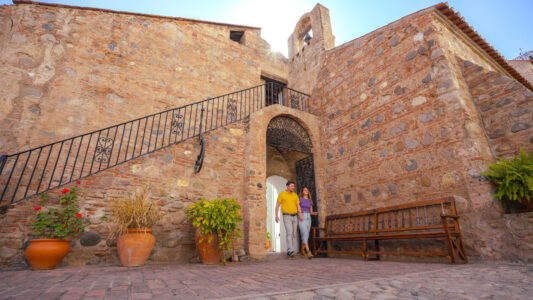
506,108
399,124
67,71
412,111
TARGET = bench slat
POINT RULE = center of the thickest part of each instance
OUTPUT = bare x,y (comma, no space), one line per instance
386,236
389,230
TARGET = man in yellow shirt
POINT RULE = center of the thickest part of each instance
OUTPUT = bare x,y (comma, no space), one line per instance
290,209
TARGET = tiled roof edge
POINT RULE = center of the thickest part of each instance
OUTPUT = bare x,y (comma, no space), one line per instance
460,22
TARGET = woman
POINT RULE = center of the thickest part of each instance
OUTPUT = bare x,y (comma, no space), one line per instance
305,225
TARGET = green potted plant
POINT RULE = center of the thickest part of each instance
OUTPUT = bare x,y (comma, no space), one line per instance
513,178
216,227
55,226
267,246
132,220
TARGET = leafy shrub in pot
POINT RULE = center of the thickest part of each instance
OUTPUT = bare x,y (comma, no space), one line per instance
217,226
513,178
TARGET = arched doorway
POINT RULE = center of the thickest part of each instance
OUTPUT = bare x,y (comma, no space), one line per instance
289,156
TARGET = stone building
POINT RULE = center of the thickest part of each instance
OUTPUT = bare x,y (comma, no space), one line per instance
414,110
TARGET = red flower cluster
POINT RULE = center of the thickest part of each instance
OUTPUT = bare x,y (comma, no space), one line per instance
78,215
65,191
36,208
78,182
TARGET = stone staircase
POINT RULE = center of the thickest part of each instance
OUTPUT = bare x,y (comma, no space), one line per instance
37,170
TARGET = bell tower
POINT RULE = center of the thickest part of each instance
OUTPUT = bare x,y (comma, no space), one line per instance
308,44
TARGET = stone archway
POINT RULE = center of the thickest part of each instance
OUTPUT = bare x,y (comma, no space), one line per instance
254,208
286,133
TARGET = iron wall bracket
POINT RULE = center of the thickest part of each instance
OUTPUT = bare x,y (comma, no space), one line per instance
200,159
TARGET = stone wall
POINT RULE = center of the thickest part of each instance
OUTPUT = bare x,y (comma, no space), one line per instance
524,67
67,71
506,107
282,163
169,176
399,125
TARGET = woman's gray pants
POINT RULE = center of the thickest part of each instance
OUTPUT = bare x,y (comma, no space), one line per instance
305,226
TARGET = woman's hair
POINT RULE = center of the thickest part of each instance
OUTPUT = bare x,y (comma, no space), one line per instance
308,195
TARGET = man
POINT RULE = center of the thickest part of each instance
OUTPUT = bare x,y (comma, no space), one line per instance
290,208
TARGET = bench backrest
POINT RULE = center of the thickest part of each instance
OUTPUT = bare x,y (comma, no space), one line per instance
423,215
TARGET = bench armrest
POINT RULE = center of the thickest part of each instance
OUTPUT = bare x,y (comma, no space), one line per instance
450,216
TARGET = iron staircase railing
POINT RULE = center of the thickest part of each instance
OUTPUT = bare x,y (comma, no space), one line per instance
47,167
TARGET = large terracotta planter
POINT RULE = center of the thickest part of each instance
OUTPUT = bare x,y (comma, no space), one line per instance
45,254
208,251
134,246
528,204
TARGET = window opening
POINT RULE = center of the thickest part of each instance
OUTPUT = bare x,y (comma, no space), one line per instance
236,35
273,91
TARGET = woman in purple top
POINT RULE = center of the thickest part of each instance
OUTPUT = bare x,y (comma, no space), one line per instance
306,205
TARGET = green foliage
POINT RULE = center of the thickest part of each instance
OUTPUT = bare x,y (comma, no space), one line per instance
268,235
217,216
60,223
513,178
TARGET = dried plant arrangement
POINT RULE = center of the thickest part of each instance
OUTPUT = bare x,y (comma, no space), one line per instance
139,211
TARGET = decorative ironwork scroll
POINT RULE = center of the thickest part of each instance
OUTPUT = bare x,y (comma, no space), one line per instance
231,108
177,124
284,132
295,102
103,149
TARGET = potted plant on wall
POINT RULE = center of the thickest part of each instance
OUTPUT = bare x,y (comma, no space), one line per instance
267,245
132,221
513,179
216,227
55,225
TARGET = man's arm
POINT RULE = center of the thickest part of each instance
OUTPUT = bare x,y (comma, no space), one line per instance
277,212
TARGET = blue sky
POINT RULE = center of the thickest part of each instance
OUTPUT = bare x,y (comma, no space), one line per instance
506,24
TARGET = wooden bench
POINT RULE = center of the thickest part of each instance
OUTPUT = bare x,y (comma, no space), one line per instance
434,219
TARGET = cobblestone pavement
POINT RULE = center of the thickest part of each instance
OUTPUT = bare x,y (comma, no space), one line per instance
319,278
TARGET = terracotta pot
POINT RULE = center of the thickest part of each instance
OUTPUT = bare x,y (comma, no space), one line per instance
208,251
267,246
528,204
134,246
45,254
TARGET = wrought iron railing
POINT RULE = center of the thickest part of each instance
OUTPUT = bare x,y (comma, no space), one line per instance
41,169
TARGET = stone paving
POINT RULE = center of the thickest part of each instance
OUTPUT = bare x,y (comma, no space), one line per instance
319,278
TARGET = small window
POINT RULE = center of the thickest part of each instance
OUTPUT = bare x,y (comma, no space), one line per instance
236,35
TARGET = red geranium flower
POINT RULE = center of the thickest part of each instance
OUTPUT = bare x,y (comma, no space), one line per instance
78,215
36,208
78,182
74,229
65,191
